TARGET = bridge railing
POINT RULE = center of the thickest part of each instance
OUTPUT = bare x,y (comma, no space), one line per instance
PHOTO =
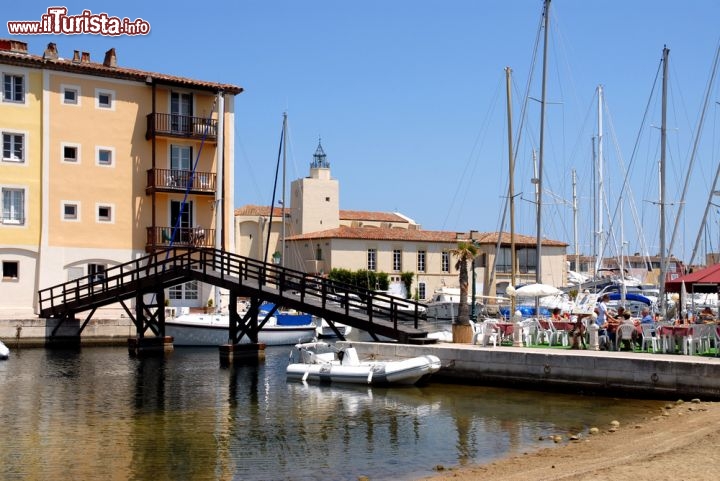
308,286
176,264
60,298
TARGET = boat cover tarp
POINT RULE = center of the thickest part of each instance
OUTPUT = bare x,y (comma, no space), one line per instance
630,296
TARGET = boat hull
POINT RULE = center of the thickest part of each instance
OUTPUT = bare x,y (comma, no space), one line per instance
318,367
213,330
4,351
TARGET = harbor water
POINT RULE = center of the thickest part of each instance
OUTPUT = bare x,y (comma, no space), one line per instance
97,413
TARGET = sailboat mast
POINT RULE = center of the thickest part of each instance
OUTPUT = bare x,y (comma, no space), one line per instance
284,142
601,183
538,270
575,220
663,135
511,183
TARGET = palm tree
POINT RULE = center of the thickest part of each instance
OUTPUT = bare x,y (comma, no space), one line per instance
461,329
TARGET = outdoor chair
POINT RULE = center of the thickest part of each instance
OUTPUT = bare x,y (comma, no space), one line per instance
624,333
529,332
649,339
559,336
697,340
541,334
484,332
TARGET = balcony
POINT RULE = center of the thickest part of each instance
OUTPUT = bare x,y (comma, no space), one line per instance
181,126
161,237
172,180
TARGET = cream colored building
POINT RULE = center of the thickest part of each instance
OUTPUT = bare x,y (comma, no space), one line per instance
97,161
319,237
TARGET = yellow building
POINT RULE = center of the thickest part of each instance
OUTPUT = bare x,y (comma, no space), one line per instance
103,164
320,237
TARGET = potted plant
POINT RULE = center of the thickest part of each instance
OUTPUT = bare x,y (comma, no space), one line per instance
209,307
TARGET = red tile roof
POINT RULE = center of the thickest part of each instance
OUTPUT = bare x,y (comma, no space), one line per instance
368,216
401,234
257,210
100,70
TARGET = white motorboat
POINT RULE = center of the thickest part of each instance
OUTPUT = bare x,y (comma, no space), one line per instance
324,331
329,363
445,303
282,329
4,351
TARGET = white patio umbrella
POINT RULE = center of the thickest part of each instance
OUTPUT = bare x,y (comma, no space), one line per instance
537,290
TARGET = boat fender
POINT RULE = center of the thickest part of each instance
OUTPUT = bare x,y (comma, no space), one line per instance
305,376
370,375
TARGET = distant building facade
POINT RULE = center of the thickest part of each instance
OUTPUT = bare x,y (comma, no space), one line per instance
319,237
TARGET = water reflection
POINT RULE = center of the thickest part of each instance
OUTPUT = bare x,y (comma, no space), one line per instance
99,414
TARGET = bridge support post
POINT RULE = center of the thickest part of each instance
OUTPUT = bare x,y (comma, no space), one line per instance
150,346
232,354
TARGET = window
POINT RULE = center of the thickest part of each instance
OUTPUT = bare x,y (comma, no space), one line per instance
527,260
13,147
13,88
421,263
188,291
104,156
104,213
181,110
421,290
10,270
70,153
372,259
70,96
397,260
96,272
104,99
70,211
445,261
504,260
13,206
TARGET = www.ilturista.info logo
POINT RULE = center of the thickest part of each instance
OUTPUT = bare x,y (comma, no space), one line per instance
56,21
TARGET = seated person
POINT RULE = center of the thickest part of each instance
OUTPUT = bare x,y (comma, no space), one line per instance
577,334
706,316
555,317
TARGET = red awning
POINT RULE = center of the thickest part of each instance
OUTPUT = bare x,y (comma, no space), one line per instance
704,280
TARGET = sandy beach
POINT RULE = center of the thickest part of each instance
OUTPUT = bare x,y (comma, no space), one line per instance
681,441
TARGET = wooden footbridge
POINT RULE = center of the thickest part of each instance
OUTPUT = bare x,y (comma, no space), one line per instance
146,279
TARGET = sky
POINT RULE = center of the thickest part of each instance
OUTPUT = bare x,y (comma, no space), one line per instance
409,101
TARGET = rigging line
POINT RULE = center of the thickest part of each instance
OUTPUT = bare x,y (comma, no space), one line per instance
631,199
190,181
479,140
272,202
698,134
637,141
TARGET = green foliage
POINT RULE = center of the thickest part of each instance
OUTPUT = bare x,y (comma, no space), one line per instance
407,278
363,278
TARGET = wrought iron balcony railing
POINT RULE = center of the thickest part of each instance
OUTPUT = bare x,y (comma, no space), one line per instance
173,180
185,126
162,237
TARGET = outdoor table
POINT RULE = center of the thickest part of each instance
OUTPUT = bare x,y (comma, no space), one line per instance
505,329
671,335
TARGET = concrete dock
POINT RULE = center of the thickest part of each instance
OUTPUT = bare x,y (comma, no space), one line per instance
671,376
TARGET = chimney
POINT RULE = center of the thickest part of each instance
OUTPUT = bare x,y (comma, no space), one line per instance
51,52
76,56
14,46
110,58
85,57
